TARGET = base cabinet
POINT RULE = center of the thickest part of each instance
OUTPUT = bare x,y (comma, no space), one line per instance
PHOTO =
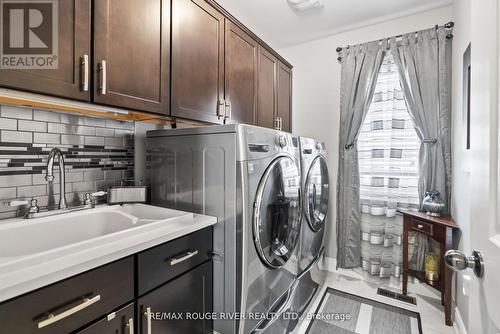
179,306
118,322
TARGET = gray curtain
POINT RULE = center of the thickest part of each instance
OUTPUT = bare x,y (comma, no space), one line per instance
424,66
360,67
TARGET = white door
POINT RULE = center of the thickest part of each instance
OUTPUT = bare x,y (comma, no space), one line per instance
484,308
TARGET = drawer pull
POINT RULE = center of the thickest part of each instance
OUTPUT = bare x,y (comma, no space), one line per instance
148,317
130,326
52,318
420,226
177,260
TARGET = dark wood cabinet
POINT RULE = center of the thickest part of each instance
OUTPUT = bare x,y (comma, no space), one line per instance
197,61
183,58
241,54
160,264
189,294
267,101
70,304
275,92
73,50
118,322
132,54
284,97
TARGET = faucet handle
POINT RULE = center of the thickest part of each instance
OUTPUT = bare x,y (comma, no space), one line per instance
34,206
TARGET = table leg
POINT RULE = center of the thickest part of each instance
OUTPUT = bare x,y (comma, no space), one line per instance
406,225
447,280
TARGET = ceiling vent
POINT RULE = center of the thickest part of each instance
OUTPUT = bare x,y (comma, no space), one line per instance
305,5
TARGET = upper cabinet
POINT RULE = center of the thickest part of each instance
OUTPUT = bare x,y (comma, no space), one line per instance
284,98
71,78
241,75
267,101
197,61
132,54
183,58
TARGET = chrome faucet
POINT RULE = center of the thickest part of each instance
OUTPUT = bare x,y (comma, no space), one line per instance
62,177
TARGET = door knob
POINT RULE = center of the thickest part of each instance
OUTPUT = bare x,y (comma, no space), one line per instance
457,261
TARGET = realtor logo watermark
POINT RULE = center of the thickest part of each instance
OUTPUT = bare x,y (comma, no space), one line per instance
29,34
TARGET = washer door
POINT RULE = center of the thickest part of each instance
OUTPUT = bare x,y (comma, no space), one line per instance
316,194
276,219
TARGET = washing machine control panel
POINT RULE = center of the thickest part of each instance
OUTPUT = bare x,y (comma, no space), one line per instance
282,141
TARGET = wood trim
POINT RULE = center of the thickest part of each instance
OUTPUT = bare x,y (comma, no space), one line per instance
234,20
444,221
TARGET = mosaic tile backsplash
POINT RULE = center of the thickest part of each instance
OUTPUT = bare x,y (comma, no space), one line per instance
98,153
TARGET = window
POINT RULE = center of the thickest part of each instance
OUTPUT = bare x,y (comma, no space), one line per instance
388,155
388,166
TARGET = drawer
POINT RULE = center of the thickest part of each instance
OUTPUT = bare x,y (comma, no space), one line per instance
162,263
423,227
70,304
118,322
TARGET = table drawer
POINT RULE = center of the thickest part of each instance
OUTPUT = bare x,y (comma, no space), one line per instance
70,304
418,225
162,263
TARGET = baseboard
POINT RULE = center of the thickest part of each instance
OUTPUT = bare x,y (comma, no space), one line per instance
458,324
330,264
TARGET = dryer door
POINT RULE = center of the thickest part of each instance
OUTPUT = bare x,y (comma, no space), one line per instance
316,194
276,220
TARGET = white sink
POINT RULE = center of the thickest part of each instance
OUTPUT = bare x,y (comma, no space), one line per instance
52,232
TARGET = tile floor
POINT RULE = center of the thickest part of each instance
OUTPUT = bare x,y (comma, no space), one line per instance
428,301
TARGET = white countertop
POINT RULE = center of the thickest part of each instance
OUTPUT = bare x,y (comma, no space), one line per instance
36,269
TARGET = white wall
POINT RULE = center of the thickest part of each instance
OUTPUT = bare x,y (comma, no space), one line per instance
460,197
316,87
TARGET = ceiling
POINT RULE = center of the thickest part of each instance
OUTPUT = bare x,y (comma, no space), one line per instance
277,24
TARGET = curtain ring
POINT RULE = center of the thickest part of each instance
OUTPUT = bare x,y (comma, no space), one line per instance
430,141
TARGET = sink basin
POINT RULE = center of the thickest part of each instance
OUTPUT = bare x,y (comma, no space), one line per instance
52,232
147,212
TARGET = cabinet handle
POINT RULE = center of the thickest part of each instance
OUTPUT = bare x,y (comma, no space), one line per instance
420,226
130,326
85,65
148,318
102,70
227,111
278,123
176,260
220,109
52,318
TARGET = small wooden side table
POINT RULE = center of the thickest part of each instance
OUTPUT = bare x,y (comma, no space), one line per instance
441,230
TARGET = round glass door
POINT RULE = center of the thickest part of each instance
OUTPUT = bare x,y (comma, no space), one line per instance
276,224
316,194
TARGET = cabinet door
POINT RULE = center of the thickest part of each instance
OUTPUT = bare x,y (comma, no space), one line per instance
197,60
188,294
267,102
73,45
284,111
118,322
241,75
132,54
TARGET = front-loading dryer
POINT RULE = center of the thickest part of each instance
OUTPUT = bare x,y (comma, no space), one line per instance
270,179
316,190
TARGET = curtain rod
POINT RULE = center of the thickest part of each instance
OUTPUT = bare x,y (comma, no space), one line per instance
448,25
